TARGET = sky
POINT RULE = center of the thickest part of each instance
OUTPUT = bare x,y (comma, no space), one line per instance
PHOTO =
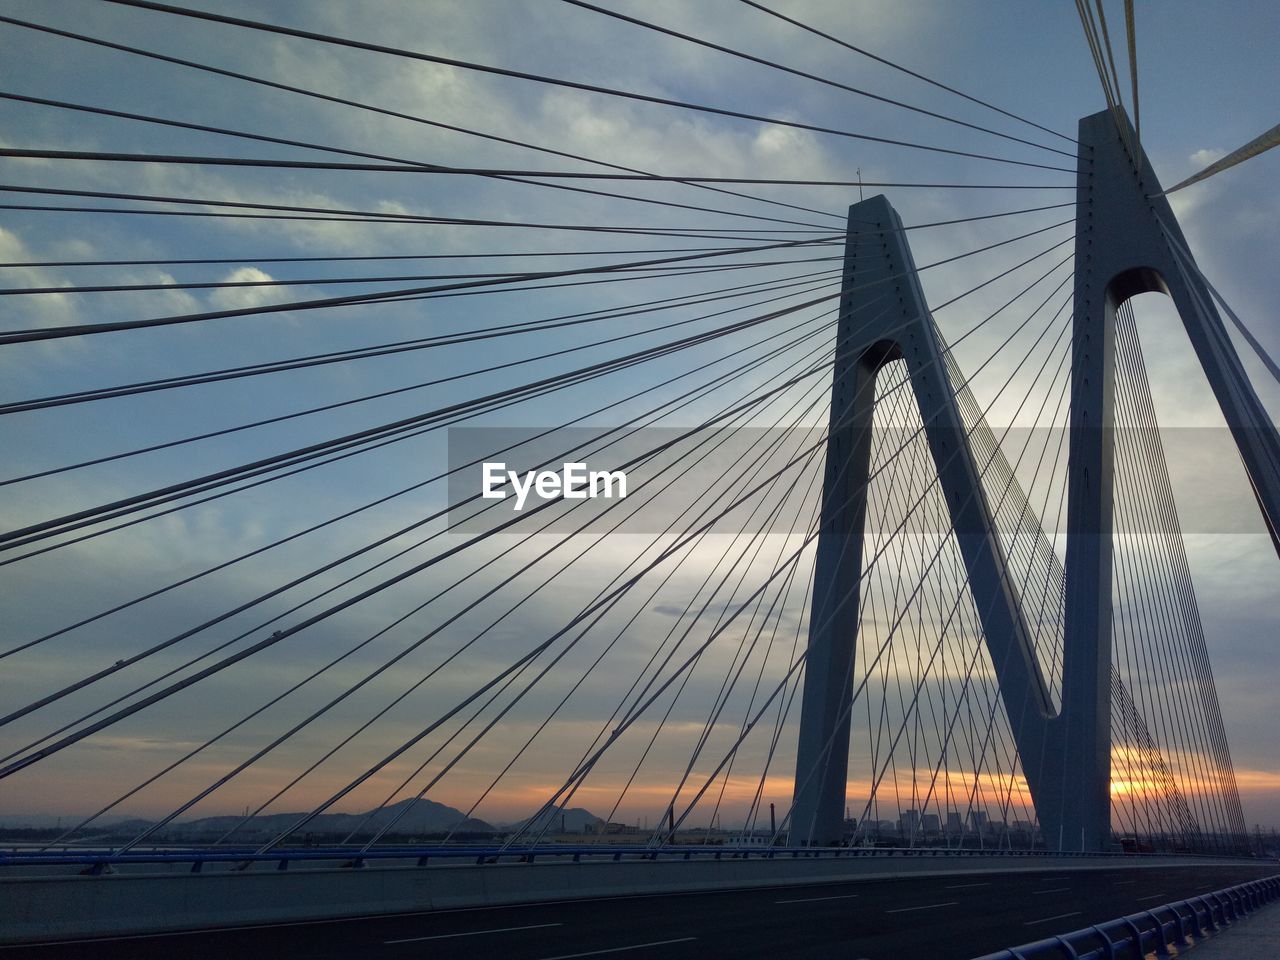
1204,74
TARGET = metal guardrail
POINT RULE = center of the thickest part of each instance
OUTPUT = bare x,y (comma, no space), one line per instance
99,861
1135,936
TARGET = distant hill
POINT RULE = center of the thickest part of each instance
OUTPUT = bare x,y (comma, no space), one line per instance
575,820
410,816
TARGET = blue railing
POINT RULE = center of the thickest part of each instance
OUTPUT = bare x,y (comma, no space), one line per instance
352,856
1155,930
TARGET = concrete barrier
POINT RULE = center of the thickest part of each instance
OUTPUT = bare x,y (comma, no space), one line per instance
38,906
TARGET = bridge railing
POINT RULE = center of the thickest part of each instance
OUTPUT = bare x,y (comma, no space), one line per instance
1155,930
242,858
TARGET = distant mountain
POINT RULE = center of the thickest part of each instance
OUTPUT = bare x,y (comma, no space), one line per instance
575,820
410,816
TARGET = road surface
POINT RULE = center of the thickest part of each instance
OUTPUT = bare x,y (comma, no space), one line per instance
939,918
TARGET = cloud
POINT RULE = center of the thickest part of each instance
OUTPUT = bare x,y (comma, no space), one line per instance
246,297
43,310
1205,156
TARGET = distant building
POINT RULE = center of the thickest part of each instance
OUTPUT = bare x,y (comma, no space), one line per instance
600,828
930,824
955,825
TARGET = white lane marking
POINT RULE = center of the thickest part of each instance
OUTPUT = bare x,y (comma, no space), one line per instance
1152,897
1061,916
966,886
634,946
1054,890
927,906
472,933
1121,883
1053,879
842,896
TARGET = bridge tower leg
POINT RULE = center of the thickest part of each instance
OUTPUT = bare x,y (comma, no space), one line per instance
822,763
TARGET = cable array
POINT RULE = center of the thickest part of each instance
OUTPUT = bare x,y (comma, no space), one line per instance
246,511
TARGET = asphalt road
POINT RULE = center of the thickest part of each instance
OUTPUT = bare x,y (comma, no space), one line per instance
939,918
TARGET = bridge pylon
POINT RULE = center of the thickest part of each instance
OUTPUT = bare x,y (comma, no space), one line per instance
884,317
1127,242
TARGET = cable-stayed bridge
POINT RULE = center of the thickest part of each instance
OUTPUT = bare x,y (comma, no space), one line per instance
739,552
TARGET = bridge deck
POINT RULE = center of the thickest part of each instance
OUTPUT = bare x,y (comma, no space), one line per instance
956,916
